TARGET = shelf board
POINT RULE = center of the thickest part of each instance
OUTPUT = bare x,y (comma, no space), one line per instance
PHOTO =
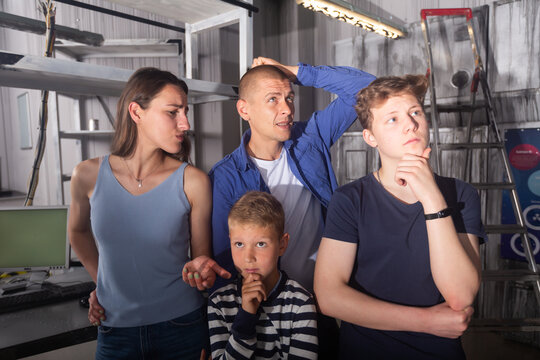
120,48
6,194
77,134
186,11
72,77
43,73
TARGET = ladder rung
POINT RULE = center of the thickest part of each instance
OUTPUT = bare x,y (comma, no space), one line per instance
456,146
509,275
493,186
505,229
447,108
467,12
501,324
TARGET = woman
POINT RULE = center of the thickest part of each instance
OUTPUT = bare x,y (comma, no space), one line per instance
145,207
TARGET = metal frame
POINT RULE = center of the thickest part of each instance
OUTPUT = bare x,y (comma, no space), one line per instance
480,78
245,22
240,16
78,79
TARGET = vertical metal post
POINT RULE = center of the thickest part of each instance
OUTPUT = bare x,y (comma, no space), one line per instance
433,106
246,50
246,41
189,55
57,146
181,62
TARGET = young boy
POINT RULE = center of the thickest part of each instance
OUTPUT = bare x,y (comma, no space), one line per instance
399,259
264,314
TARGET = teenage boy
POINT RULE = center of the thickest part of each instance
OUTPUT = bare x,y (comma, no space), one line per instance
264,314
399,259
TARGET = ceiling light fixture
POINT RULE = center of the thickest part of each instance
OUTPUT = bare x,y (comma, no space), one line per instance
346,12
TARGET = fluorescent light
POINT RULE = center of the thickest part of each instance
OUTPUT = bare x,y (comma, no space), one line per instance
346,12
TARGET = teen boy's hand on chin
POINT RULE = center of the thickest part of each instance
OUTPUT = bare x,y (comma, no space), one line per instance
253,293
414,171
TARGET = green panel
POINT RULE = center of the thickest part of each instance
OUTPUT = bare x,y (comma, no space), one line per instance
33,238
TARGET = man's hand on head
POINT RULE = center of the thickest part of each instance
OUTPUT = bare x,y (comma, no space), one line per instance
290,71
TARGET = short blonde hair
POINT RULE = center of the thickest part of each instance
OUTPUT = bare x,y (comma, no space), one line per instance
261,209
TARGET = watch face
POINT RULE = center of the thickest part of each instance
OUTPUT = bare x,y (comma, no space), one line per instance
441,214
446,212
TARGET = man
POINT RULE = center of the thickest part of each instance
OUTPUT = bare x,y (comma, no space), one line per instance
290,161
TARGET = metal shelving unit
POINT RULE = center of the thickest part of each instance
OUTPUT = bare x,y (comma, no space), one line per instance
79,80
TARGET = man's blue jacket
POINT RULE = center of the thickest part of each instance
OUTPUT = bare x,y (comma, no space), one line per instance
308,151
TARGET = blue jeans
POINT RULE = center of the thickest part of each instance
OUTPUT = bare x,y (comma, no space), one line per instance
180,338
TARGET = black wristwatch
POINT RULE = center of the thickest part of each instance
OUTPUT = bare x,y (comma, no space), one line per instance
441,214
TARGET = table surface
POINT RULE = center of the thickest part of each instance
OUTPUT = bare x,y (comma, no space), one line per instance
44,328
40,322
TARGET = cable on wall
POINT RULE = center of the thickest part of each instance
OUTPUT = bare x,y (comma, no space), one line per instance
49,11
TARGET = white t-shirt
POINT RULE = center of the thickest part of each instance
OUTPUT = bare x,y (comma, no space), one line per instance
303,218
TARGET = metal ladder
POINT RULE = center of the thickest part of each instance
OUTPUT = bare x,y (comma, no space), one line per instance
493,141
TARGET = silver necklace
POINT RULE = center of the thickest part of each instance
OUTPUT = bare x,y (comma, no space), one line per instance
140,180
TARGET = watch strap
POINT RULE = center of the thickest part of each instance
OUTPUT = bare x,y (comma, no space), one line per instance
440,214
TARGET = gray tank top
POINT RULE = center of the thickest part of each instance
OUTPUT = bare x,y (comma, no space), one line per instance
143,244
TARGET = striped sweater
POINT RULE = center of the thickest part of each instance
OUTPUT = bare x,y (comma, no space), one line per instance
285,326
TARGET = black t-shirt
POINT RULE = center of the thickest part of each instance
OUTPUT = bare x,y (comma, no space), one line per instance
392,261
